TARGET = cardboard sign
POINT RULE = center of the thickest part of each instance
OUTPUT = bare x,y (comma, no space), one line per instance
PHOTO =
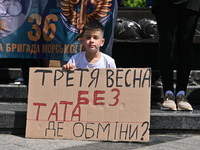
89,104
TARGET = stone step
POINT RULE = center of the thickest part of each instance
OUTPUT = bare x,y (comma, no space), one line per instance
18,93
13,93
9,75
13,120
175,121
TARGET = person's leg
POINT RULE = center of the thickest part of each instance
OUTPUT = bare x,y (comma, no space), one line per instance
166,18
186,29
187,26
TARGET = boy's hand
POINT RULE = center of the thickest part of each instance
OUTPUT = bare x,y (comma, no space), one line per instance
68,66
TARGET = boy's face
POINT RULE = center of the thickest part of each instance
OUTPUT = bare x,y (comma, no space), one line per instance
93,40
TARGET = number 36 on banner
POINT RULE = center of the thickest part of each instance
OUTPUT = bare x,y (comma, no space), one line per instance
36,33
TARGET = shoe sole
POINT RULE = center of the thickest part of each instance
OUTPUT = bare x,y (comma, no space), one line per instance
181,109
164,108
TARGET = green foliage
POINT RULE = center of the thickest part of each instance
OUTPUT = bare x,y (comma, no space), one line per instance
135,3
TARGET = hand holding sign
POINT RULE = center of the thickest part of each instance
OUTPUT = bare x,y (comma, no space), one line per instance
68,66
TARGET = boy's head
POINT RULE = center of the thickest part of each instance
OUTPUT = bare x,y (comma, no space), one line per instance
93,26
92,37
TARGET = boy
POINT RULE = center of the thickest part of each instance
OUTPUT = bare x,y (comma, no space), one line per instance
92,40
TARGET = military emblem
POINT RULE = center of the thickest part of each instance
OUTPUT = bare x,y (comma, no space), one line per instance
76,13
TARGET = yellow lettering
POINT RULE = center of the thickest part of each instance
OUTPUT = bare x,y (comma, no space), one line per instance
33,50
28,48
19,47
75,48
72,48
1,47
35,36
81,48
14,46
49,48
66,48
44,48
4,25
61,48
57,48
24,47
38,48
49,29
8,49
53,47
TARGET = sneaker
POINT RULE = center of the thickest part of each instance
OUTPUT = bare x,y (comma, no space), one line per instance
183,103
168,103
19,81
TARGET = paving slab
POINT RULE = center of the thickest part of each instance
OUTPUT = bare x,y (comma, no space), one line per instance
157,142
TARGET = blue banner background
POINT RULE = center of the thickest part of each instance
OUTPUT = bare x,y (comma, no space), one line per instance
16,28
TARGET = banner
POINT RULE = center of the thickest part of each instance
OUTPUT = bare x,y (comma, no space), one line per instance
50,29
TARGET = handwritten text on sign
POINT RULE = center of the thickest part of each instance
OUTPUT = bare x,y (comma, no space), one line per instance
95,104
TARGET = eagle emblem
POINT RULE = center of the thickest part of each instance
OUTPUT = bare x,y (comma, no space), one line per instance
75,13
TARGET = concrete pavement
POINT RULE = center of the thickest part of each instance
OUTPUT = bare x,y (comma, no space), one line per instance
157,142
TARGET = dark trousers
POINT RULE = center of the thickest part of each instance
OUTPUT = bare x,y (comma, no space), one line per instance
176,25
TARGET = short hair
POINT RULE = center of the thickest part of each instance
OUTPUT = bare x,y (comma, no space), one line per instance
93,25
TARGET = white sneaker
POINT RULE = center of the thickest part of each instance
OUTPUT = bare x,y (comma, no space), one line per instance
19,81
168,102
183,103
